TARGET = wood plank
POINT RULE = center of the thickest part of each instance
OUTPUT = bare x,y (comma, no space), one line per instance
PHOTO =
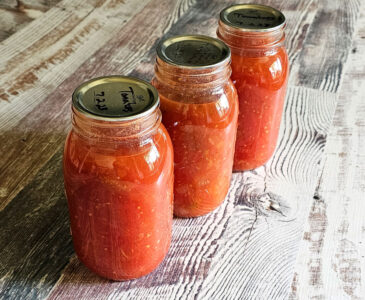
9,4
54,21
18,5
30,88
204,20
199,262
16,14
41,132
257,228
260,245
17,278
32,74
186,265
42,5
327,45
67,38
35,237
331,260
276,201
12,21
253,237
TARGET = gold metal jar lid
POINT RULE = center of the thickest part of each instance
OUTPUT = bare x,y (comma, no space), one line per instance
193,51
253,17
115,98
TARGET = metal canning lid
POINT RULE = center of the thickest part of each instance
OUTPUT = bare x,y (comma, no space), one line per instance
252,17
193,51
115,98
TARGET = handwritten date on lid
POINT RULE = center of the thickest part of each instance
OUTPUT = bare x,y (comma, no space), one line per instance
115,97
111,100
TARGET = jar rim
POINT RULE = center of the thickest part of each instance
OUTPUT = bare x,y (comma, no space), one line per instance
216,45
83,104
276,17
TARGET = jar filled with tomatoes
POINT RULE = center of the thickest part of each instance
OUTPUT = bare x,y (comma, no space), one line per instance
118,175
255,35
199,109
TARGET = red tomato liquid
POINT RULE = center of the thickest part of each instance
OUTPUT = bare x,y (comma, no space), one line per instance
203,135
261,86
260,72
120,204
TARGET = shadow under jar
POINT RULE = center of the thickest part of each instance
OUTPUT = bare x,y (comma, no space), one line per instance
199,109
255,35
118,174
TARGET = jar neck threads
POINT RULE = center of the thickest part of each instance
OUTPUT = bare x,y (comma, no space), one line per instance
102,131
239,40
183,78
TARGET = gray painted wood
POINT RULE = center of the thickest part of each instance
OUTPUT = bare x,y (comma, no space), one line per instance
327,45
246,249
34,237
331,260
16,14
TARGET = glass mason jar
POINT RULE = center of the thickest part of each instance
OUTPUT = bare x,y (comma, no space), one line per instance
255,35
118,175
199,109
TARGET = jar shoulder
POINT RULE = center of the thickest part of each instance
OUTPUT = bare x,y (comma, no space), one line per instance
202,106
261,70
195,94
142,160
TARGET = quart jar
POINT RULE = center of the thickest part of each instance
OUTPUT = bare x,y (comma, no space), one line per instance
255,35
199,109
118,175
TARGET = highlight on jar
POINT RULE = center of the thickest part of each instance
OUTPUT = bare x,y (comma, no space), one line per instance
260,69
118,176
199,107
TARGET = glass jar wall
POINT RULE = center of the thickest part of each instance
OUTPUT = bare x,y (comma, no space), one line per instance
118,173
255,35
199,109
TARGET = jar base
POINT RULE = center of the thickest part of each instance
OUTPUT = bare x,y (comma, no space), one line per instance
115,277
243,165
186,215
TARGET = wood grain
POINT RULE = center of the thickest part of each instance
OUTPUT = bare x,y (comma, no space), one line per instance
247,248
263,232
32,133
35,237
16,14
43,142
331,260
41,5
248,210
330,33
12,21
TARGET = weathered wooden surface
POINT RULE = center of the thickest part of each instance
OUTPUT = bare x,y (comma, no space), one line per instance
305,200
16,14
331,258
